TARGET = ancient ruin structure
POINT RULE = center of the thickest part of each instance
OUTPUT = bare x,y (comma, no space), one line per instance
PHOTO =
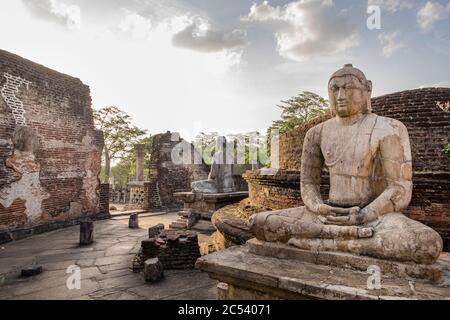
167,177
223,187
359,225
50,152
136,187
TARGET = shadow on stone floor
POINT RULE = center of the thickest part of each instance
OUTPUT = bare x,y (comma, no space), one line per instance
105,266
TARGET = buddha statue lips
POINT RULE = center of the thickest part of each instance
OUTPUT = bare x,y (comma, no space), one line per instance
369,161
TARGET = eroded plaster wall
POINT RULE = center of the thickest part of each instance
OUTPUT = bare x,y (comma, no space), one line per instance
50,152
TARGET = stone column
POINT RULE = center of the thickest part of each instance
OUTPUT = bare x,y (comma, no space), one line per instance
140,162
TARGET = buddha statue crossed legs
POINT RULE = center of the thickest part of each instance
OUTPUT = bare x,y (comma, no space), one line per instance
369,161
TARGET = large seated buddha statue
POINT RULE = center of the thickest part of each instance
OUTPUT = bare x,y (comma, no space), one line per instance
369,162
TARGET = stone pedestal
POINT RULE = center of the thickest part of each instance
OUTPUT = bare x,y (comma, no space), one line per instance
201,206
260,270
206,203
86,232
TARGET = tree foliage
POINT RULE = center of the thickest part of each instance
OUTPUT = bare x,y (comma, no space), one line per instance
126,167
447,149
119,134
298,110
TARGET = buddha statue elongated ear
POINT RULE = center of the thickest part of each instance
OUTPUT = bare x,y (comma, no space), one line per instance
367,108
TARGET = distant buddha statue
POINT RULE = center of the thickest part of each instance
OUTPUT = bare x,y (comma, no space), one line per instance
369,161
220,178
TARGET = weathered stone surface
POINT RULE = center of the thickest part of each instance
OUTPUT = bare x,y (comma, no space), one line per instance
31,270
155,230
153,270
86,233
252,276
233,221
207,203
50,151
133,222
434,273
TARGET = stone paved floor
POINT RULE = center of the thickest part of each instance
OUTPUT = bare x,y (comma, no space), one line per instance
105,266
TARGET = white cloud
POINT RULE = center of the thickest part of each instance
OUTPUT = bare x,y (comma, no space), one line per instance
138,26
390,43
442,84
392,6
198,35
306,28
431,13
56,10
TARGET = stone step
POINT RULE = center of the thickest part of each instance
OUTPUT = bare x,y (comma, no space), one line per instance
204,226
178,224
184,214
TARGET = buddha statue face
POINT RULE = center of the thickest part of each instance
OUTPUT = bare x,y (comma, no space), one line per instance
349,92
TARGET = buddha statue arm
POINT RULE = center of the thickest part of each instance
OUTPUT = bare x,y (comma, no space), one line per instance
311,170
395,152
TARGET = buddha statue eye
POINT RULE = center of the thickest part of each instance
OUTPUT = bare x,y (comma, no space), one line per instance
334,87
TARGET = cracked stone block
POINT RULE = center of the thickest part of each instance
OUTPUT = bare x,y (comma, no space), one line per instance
155,230
133,222
30,271
86,232
153,270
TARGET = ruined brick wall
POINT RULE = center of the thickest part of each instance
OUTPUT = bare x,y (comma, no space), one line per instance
50,152
167,177
429,130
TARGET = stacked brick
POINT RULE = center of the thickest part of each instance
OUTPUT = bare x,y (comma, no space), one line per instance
174,248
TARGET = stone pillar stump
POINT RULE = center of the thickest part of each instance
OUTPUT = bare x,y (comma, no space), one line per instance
86,233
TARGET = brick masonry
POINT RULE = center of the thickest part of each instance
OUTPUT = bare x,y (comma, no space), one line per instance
50,152
428,121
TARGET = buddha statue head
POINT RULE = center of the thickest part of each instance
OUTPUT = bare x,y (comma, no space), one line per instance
349,92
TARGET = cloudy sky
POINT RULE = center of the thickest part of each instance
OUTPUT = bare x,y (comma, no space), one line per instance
223,65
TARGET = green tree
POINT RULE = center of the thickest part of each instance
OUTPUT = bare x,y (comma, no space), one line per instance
447,149
298,110
126,167
119,134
